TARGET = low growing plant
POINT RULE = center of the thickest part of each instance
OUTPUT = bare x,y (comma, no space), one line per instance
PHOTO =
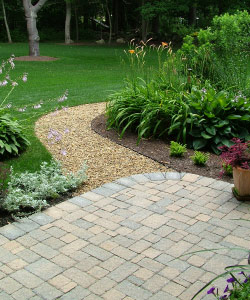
210,119
237,155
177,149
200,158
12,138
28,192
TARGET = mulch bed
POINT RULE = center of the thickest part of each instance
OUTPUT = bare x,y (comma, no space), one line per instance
36,58
158,150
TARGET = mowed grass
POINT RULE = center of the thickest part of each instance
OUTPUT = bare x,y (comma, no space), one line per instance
90,73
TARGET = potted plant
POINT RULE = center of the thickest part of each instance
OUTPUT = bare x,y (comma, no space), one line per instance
238,157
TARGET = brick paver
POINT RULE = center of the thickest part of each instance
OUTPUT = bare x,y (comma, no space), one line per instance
126,240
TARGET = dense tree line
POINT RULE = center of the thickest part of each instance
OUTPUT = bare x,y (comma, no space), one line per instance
67,20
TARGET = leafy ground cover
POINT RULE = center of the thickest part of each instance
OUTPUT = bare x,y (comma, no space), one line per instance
88,72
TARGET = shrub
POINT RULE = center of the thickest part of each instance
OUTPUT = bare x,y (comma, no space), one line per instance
210,119
147,107
12,138
28,192
200,158
221,53
177,149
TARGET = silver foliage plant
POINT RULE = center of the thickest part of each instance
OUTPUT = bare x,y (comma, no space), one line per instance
28,192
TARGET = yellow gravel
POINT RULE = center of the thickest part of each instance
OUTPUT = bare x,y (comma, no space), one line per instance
106,160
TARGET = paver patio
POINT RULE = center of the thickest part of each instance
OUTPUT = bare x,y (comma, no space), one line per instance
123,241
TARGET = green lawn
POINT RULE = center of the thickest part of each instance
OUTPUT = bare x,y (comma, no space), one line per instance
89,73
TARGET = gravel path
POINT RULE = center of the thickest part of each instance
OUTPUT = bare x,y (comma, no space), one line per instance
106,160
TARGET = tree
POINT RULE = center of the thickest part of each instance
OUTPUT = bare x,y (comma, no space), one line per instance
67,22
6,22
31,18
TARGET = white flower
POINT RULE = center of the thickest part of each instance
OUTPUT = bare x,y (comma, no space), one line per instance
3,83
37,106
14,83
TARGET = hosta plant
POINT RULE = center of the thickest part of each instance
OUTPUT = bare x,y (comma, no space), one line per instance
210,119
12,138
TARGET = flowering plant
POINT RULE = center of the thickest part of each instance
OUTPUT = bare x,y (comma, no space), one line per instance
239,289
237,155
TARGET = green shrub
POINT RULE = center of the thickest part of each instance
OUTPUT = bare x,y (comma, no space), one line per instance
28,192
200,158
210,119
143,108
221,53
177,149
12,138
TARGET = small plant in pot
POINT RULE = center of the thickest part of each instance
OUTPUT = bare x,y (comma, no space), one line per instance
238,156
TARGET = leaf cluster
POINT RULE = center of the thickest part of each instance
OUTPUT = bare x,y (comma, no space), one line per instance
28,192
177,149
12,138
200,158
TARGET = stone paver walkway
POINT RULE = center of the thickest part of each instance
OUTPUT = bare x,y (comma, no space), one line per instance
123,239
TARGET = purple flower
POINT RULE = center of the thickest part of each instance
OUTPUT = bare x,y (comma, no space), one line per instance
226,289
66,130
230,280
25,78
211,291
63,152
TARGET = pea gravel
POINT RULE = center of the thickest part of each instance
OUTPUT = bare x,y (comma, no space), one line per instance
77,142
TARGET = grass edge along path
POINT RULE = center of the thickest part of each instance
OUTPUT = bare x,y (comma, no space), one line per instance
89,73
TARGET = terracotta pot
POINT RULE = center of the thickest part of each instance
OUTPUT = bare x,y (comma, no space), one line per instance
241,181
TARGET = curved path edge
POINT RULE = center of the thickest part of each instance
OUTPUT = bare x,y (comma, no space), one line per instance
127,239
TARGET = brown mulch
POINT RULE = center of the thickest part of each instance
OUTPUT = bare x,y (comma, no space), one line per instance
35,58
159,151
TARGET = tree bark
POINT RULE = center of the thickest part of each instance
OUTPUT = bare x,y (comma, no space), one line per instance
110,22
31,17
76,22
67,23
6,23
143,26
192,14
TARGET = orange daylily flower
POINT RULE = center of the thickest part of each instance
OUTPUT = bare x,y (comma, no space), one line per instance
164,44
131,51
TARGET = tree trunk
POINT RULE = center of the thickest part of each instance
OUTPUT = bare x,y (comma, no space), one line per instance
110,22
192,14
143,26
6,23
77,26
67,23
116,16
31,16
